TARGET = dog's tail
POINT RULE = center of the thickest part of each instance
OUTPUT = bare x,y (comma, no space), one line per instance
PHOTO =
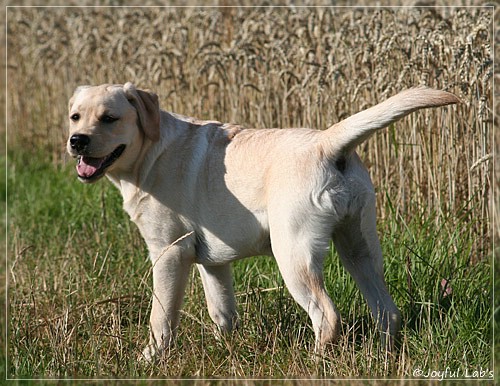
344,136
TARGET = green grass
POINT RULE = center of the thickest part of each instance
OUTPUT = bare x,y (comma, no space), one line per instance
80,289
79,278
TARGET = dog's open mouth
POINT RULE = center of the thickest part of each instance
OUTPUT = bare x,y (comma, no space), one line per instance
90,169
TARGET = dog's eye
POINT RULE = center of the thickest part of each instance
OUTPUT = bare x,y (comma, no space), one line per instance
75,117
108,119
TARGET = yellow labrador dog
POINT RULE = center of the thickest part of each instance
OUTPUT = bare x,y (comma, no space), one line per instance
209,193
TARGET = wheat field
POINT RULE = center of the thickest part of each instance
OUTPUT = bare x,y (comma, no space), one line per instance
268,67
263,67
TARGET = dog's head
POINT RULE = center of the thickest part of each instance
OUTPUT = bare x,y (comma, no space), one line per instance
107,125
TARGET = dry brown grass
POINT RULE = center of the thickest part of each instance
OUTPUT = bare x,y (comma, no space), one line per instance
79,292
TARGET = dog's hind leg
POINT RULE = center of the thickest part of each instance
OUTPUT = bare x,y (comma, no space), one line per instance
218,285
359,248
301,265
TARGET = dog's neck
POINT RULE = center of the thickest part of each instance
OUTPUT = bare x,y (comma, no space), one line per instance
133,181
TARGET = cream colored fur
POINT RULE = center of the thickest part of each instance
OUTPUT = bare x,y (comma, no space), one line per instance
207,193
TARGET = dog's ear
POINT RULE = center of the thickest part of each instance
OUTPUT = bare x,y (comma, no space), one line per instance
77,91
148,109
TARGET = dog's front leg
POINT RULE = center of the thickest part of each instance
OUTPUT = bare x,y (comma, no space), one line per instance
170,275
218,285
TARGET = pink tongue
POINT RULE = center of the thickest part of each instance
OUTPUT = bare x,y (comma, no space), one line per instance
88,166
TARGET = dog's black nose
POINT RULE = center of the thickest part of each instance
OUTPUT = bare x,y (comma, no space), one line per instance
79,142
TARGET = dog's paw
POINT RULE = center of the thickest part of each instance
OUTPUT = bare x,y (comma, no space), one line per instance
150,354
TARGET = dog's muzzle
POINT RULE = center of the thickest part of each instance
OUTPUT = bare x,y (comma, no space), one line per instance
79,142
90,169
